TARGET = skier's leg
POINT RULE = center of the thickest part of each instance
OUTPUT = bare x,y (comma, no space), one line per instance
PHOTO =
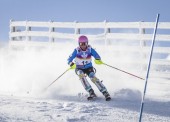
85,83
99,84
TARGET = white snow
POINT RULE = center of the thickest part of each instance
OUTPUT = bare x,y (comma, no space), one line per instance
25,73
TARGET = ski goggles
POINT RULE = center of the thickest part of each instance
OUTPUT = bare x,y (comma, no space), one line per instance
83,43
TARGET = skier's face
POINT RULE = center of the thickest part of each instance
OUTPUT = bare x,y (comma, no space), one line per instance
83,45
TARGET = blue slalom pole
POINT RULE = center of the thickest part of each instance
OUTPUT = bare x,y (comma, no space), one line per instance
148,68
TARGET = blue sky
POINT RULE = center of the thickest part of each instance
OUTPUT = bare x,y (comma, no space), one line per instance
81,10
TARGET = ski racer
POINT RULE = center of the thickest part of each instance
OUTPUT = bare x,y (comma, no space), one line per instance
82,56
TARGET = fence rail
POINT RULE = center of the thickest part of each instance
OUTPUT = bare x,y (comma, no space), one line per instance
22,32
161,25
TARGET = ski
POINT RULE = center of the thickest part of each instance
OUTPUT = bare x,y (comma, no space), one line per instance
94,98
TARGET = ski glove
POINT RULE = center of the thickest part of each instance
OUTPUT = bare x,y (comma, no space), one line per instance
98,61
72,65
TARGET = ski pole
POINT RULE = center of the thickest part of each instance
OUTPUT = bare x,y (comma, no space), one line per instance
57,79
123,71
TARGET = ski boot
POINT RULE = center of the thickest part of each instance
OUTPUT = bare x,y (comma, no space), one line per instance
92,95
107,96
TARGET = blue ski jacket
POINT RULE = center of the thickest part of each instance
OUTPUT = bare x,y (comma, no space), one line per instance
83,59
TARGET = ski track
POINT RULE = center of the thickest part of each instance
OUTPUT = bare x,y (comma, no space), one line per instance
76,109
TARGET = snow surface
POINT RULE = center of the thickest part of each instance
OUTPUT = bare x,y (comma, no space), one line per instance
25,73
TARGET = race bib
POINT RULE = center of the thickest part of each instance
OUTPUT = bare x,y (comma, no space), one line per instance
82,61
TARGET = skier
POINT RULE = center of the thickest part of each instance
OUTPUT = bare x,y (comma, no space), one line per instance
82,56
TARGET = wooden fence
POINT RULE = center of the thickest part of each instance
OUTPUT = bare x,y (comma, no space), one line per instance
22,32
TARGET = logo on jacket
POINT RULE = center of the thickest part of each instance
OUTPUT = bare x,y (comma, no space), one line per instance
84,55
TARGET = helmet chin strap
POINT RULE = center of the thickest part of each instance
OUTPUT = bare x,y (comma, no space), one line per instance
83,49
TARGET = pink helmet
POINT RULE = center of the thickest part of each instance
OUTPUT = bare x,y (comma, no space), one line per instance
83,39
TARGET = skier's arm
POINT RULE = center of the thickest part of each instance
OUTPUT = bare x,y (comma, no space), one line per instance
96,56
72,56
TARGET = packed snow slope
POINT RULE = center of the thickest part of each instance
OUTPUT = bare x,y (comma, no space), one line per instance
25,73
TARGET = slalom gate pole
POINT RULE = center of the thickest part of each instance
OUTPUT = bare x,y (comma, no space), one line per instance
57,79
148,68
124,71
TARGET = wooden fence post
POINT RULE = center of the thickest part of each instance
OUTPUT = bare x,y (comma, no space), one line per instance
77,30
51,30
12,29
28,38
142,44
106,30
